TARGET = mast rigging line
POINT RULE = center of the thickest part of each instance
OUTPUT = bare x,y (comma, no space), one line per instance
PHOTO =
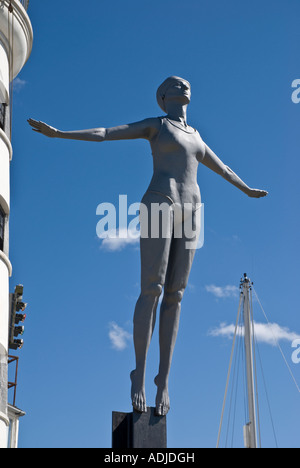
266,392
238,332
229,370
236,378
255,367
277,343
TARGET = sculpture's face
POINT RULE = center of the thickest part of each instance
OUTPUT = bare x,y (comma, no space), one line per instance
179,90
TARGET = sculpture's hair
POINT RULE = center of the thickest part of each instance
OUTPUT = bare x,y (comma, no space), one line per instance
163,88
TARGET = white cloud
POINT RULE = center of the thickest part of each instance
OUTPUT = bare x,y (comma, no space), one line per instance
264,333
119,239
223,291
19,84
118,336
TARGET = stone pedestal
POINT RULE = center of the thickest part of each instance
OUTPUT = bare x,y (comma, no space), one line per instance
139,430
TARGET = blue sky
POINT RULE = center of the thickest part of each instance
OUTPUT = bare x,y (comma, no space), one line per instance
99,64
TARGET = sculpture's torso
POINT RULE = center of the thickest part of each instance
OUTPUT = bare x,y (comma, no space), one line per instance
176,155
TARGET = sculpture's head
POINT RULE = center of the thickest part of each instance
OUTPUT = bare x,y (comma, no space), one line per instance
173,88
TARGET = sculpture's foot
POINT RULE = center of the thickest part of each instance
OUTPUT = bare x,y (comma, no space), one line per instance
162,398
138,396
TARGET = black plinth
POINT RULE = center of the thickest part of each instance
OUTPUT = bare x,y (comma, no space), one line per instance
139,430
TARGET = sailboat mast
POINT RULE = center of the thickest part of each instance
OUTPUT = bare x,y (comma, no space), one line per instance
250,431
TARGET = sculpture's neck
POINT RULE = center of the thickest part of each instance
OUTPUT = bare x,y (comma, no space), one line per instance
177,112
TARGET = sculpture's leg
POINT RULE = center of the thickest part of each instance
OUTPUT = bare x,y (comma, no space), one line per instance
144,322
154,262
169,324
179,267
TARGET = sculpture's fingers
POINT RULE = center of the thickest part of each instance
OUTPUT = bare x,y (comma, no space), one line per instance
32,122
34,125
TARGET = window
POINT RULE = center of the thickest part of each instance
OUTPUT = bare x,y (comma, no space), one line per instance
2,224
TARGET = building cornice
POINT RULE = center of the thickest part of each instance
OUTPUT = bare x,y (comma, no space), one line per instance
14,411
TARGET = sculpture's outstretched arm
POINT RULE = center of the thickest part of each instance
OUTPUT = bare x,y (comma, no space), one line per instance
212,161
143,129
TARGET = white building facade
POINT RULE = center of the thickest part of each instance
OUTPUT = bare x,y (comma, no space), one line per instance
16,38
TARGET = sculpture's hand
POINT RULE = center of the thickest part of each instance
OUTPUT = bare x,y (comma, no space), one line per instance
43,128
255,193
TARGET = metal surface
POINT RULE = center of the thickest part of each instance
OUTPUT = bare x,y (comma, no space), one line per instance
249,364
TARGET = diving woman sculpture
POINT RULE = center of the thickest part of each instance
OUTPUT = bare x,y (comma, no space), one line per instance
165,260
